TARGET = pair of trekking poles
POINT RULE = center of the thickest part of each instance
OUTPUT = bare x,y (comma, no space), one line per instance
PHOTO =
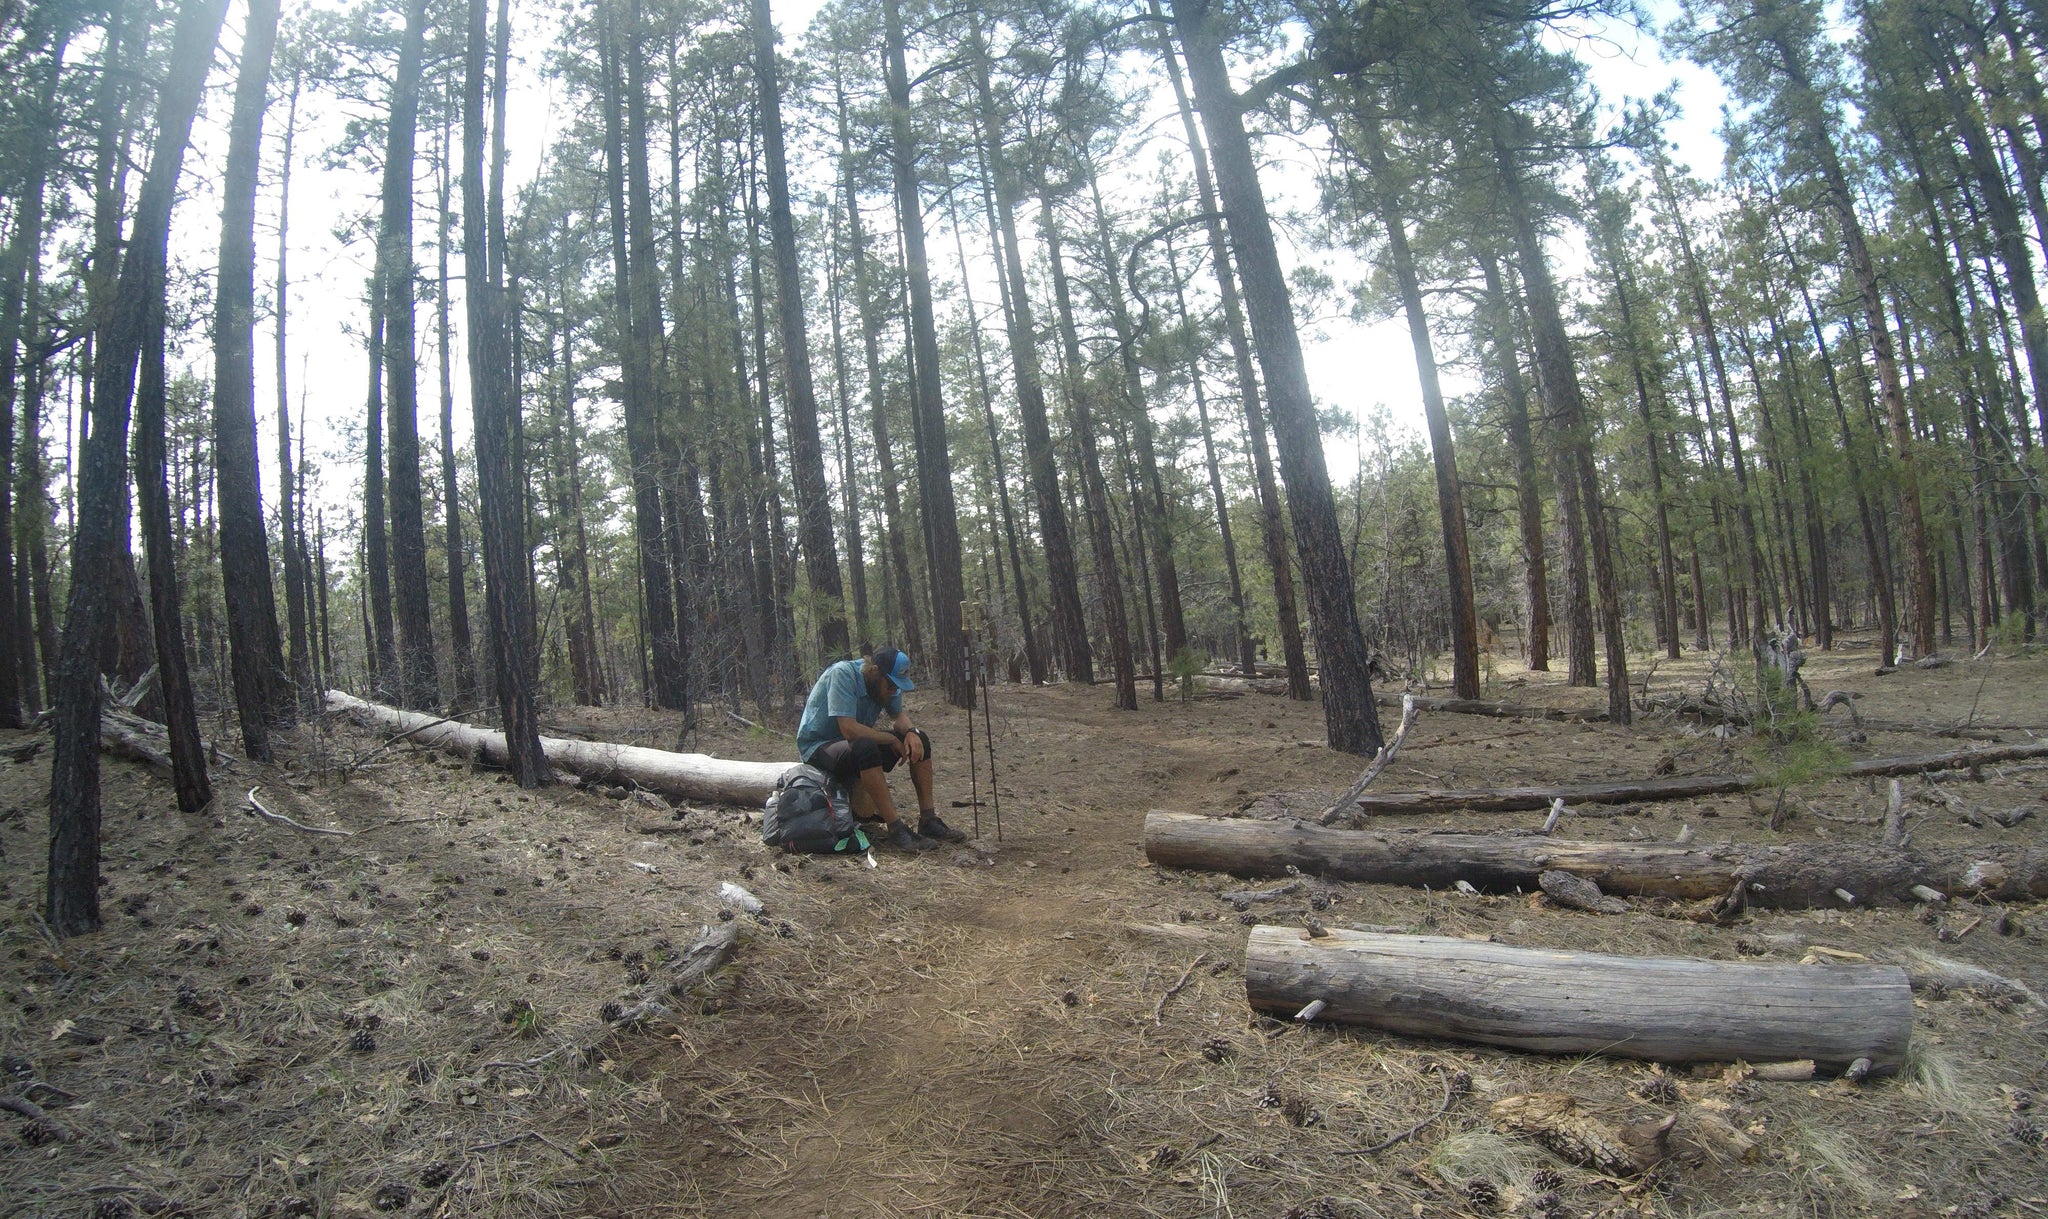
972,622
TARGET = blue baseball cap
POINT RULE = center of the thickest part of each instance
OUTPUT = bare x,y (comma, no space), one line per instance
895,663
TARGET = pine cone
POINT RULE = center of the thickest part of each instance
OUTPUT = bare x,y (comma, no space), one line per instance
1483,1194
1546,1180
610,1012
362,1042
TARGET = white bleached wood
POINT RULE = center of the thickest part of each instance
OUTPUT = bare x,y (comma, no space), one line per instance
693,776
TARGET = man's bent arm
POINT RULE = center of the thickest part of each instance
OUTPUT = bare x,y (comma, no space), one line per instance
853,730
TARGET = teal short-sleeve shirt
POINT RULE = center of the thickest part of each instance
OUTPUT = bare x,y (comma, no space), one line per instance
840,692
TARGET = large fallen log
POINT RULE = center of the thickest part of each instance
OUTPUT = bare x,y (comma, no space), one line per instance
692,776
1662,1009
1674,787
1778,876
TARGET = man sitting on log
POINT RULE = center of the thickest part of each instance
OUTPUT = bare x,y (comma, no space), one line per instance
838,735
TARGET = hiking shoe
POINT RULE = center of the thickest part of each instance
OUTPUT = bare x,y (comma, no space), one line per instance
899,838
929,826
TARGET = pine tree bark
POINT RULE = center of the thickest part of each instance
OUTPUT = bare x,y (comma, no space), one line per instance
806,449
1528,494
1034,659
1151,507
255,652
418,684
71,896
1094,492
380,638
1069,620
634,287
1350,721
1820,144
1450,500
849,472
19,264
1246,652
935,471
1273,527
290,525
466,691
1562,394
152,495
867,310
508,581
1616,254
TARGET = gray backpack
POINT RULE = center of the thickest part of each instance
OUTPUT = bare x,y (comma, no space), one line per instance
808,812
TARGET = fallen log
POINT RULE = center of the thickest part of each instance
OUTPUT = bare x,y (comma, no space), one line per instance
1777,876
137,739
1555,1002
1502,711
1553,1120
693,776
1673,787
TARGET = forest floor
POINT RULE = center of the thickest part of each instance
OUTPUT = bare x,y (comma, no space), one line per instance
408,1020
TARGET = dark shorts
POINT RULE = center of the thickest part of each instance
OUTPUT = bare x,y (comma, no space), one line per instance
844,759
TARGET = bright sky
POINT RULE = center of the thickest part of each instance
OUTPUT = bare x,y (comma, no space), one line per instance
1351,366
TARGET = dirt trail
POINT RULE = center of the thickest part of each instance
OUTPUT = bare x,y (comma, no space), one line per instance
938,1093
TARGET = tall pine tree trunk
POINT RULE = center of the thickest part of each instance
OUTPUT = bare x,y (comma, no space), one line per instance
256,654
466,691
494,397
152,495
71,895
1450,500
867,311
1562,394
1273,527
1069,621
19,264
1350,720
634,286
1528,495
806,450
1094,492
419,679
935,471
290,525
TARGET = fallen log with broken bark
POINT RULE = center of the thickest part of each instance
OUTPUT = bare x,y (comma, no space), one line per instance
1673,787
128,735
692,776
1798,876
1556,1002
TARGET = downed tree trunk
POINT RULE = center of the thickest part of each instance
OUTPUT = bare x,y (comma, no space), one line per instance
693,776
1675,787
1662,1009
1787,876
127,735
1553,1119
1503,711
134,738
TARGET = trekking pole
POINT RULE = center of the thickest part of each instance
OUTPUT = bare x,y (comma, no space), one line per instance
988,726
967,658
